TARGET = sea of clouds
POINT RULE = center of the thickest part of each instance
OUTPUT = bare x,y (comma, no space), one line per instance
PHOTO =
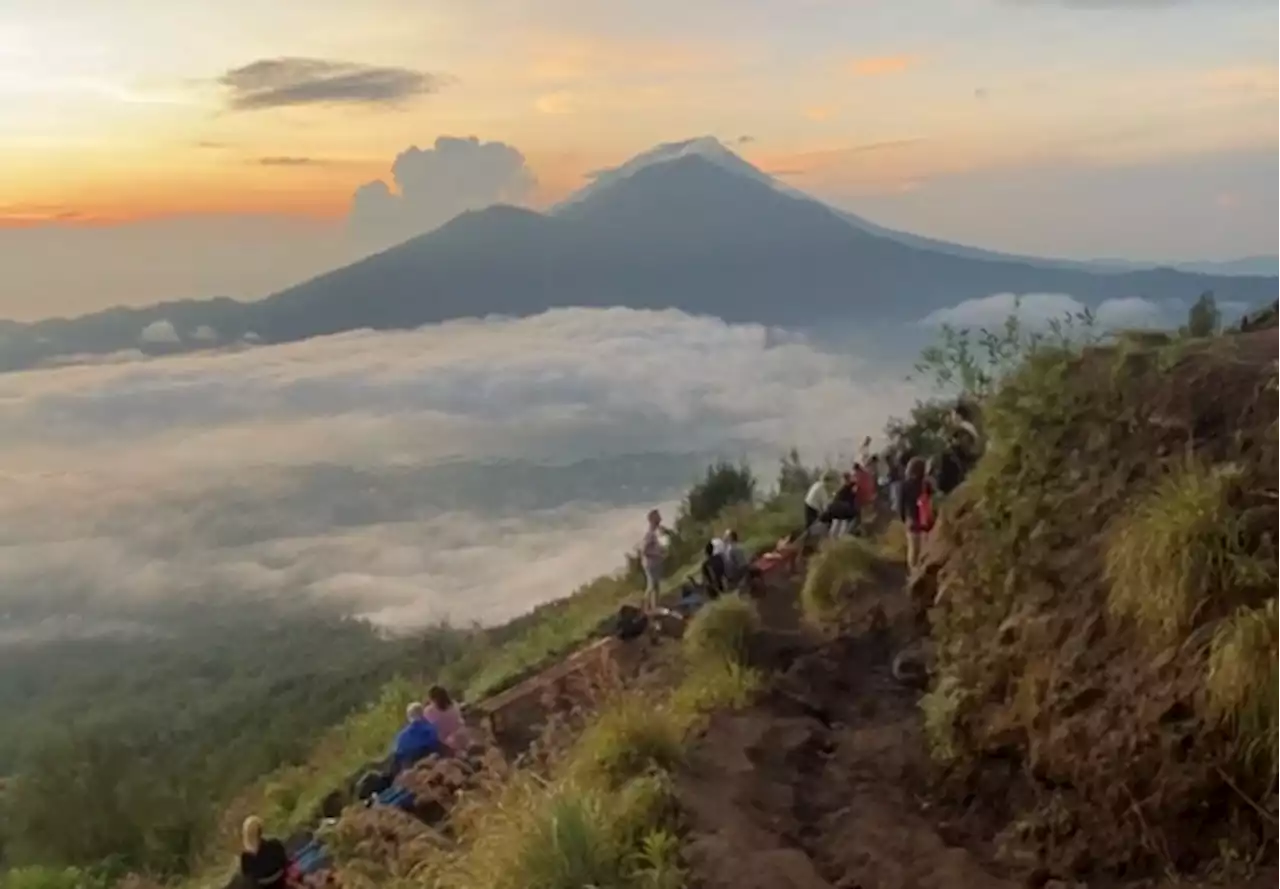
464,471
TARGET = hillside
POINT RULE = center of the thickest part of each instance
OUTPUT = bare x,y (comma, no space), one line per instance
704,234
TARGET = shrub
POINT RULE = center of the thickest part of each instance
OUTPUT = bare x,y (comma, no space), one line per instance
657,864
643,805
632,735
838,566
793,476
47,878
1242,686
722,630
725,484
1172,549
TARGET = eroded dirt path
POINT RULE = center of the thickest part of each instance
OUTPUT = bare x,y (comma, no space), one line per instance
812,788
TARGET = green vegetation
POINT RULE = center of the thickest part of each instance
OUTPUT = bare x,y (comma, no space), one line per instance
1243,685
833,576
1176,546
1111,565
606,817
722,630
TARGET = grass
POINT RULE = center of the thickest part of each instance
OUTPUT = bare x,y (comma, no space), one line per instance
1242,685
940,707
839,566
722,630
1173,549
632,735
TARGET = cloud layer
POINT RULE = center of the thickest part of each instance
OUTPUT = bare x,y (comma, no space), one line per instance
278,83
465,471
1039,309
435,184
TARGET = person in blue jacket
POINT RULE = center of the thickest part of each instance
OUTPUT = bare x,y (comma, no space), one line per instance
417,740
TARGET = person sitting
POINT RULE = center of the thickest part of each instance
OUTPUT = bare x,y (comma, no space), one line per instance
713,571
443,712
263,861
417,740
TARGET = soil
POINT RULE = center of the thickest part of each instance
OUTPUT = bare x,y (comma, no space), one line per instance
827,784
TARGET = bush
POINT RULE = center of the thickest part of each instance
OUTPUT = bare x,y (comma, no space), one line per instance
48,878
1242,687
940,708
632,735
724,485
1175,547
838,567
793,476
722,630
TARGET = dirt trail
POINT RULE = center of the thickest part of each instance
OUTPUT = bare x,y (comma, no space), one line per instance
822,785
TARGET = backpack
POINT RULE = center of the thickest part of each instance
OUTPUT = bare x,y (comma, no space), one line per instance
924,509
630,623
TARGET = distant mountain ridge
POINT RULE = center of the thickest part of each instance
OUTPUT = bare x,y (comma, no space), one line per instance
688,226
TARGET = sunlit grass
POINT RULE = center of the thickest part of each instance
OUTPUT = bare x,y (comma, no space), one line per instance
1174,548
722,630
1243,686
838,567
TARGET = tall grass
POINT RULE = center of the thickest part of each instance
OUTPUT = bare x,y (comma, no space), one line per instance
832,575
1173,549
722,630
1242,687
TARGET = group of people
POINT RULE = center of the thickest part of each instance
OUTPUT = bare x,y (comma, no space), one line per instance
725,565
432,727
907,483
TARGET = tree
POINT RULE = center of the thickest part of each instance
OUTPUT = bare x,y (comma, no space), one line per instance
1204,319
793,476
923,433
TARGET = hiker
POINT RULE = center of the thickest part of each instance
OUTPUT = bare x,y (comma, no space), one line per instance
737,564
817,499
895,470
263,861
864,484
713,571
653,550
916,498
443,712
843,513
417,740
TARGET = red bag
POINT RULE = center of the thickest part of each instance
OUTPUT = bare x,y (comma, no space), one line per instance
924,510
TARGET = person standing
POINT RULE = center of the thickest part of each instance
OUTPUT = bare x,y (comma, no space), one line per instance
653,552
817,499
916,492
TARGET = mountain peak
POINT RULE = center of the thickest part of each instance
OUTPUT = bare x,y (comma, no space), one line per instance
708,148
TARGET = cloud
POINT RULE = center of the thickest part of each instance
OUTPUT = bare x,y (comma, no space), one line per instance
290,161
1037,310
159,333
878,66
434,185
468,470
282,82
1135,4
744,140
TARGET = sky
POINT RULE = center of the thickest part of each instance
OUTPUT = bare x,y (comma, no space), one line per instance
143,143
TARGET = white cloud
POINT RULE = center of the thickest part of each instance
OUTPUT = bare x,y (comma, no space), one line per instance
1039,309
468,470
159,333
434,185
204,334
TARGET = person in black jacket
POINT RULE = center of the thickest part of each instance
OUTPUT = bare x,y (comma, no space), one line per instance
713,572
842,515
914,485
263,862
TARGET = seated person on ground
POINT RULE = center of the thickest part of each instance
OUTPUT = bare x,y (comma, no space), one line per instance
417,740
443,712
713,571
263,861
